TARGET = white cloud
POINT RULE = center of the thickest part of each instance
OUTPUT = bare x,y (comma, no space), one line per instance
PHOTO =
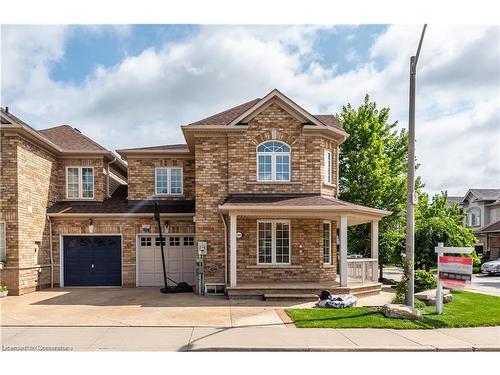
144,99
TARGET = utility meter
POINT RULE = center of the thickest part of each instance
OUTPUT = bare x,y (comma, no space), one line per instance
202,248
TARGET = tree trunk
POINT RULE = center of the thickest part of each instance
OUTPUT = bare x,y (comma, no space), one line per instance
427,266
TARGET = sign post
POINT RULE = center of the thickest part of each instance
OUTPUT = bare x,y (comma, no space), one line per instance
453,271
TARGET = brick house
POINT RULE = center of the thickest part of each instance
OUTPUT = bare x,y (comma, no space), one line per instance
256,184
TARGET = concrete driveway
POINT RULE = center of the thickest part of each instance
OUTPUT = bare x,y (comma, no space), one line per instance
144,307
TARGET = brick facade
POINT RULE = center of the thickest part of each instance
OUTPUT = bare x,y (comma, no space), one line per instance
141,176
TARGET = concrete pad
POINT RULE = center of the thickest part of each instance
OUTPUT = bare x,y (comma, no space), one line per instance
268,339
367,337
475,336
144,339
73,338
385,296
7,333
433,338
255,317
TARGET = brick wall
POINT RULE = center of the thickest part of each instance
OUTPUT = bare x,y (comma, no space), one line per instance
127,227
141,177
211,190
306,262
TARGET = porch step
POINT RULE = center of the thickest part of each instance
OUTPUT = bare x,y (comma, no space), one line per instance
287,292
290,297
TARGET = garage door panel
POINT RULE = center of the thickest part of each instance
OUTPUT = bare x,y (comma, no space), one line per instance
92,260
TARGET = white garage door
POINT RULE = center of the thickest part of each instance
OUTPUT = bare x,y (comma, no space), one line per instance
179,259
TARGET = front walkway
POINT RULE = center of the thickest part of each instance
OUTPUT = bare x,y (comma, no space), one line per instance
143,307
248,339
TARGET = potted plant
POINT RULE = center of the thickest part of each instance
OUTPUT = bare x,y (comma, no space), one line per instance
3,291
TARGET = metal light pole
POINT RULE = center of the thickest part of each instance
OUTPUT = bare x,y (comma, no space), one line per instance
410,206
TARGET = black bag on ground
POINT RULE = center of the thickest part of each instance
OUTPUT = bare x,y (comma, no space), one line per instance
325,294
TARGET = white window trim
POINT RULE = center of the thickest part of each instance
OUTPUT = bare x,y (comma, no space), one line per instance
169,169
80,183
273,242
3,236
330,242
273,162
327,166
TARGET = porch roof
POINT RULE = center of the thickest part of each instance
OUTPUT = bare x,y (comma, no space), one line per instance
299,205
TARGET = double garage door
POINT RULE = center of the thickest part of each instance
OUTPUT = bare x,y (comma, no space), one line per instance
92,261
179,260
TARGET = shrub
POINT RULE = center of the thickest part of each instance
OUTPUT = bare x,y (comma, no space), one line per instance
3,288
424,280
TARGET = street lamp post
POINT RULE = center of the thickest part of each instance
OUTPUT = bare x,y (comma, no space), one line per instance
411,201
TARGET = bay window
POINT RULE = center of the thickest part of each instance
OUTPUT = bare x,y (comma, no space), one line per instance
273,242
79,182
168,181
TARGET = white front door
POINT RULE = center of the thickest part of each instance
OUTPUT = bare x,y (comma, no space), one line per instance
179,259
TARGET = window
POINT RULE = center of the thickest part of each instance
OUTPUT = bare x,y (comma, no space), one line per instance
273,242
327,243
157,241
174,241
328,167
188,241
3,247
168,181
80,182
145,241
273,161
474,217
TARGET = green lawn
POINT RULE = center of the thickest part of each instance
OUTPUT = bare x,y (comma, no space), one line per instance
466,310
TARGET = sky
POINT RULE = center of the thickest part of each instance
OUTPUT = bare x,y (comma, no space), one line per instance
134,85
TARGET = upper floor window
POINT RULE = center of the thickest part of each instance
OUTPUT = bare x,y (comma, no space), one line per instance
80,182
328,167
168,181
474,217
273,161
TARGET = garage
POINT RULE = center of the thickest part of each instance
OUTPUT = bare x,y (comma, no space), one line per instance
179,259
92,261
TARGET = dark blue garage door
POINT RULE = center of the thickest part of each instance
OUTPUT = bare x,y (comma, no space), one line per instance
92,261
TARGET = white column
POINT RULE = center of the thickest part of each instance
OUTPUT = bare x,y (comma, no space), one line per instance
374,239
343,250
232,245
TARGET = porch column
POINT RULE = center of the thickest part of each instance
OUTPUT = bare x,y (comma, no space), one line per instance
374,239
232,246
343,250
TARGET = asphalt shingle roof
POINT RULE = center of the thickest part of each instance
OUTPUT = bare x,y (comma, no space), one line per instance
70,139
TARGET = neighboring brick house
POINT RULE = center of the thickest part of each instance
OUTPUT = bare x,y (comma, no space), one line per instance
257,184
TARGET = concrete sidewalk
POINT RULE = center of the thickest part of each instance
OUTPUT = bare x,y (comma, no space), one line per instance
247,339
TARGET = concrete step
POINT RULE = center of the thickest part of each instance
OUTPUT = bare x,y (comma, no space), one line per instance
290,297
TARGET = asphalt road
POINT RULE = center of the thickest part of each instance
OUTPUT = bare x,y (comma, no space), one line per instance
481,283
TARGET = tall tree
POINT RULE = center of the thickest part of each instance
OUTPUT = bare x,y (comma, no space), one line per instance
435,222
373,166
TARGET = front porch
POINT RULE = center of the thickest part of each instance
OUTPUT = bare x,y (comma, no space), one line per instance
314,261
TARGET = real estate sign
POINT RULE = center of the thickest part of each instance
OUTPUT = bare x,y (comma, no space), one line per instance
455,272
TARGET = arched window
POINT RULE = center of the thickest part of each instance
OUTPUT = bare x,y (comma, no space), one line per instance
474,217
273,161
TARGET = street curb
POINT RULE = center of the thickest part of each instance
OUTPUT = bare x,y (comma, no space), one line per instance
317,349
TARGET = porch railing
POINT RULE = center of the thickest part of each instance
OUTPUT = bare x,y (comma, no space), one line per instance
364,269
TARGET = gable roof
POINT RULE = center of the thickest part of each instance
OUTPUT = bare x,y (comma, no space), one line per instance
483,194
70,139
234,115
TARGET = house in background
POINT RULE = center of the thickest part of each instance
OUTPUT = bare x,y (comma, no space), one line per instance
254,186
482,210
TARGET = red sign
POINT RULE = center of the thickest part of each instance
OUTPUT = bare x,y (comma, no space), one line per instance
455,272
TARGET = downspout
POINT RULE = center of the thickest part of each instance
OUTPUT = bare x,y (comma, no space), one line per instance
225,247
107,177
50,253
337,173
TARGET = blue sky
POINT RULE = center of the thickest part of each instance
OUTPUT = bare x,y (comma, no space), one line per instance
133,85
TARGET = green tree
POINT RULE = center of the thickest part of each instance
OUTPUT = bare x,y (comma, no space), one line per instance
373,166
436,222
